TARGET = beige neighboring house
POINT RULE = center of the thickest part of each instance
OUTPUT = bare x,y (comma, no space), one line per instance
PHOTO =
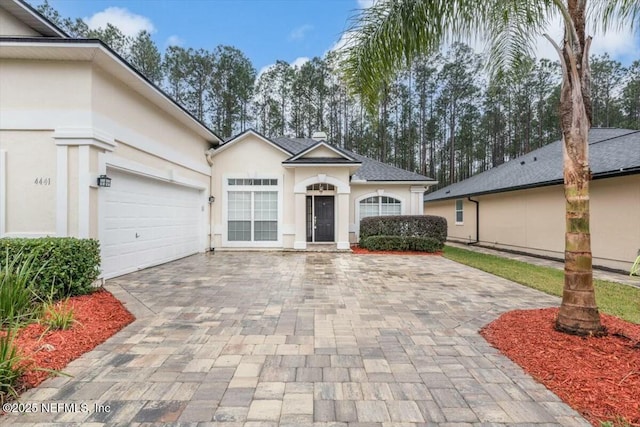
520,204
72,110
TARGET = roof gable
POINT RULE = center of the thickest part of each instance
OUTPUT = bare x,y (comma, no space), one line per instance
611,152
243,136
321,150
19,17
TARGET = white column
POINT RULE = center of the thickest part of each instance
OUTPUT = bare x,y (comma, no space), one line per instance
84,183
417,200
300,209
342,242
62,178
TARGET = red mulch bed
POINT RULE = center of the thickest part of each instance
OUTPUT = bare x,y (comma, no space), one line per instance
358,250
98,316
599,377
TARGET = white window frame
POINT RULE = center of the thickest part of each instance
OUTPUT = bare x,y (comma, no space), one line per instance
461,210
226,188
403,206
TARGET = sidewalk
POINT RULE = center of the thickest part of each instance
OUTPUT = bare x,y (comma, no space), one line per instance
597,274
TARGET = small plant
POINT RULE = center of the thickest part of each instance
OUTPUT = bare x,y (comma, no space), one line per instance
58,315
11,365
16,292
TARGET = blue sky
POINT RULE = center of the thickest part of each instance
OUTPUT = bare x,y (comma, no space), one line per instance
265,30
268,30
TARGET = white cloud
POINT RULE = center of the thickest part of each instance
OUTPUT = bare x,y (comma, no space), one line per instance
128,22
365,4
341,43
298,62
174,41
300,32
618,43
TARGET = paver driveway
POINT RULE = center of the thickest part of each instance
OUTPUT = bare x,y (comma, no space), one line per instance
262,339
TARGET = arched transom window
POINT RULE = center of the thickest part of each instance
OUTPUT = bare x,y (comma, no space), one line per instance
321,187
380,206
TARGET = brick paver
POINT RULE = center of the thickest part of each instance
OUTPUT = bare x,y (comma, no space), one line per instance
304,339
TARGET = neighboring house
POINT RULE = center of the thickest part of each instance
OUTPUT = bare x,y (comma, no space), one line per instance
520,204
292,192
72,110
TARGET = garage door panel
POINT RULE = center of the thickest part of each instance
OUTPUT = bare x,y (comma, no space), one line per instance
167,219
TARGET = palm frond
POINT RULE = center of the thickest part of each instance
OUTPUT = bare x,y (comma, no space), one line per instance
614,14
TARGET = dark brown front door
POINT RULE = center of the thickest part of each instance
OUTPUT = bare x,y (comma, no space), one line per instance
324,214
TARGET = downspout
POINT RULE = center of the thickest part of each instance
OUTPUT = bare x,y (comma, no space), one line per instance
209,155
477,221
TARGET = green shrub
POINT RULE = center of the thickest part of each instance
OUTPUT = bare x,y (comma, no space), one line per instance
434,227
401,243
70,265
11,365
16,295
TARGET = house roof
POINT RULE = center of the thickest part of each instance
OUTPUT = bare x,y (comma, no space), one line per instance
32,18
611,152
57,45
370,170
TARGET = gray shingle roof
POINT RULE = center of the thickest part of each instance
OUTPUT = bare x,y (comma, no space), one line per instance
371,170
611,152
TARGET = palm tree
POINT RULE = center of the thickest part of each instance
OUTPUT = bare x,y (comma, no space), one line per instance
388,35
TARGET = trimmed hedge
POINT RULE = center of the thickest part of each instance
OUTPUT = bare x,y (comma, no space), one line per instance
434,227
401,243
68,264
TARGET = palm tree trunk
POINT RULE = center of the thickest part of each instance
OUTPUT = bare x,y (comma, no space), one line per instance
578,312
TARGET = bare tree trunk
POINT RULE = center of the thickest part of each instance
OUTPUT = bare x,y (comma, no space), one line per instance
578,311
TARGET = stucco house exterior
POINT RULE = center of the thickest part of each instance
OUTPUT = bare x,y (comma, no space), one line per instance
72,110
296,192
520,204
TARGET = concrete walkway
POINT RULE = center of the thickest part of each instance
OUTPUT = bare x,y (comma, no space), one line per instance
304,339
597,274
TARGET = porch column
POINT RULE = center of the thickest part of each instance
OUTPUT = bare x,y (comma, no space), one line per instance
417,200
342,238
300,240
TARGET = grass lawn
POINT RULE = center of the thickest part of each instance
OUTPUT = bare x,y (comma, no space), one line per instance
613,298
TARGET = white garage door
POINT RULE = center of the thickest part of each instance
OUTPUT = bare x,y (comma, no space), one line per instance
146,222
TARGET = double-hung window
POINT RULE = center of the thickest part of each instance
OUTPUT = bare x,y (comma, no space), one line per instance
252,210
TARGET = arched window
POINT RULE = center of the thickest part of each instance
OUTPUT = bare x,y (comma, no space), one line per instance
321,187
380,206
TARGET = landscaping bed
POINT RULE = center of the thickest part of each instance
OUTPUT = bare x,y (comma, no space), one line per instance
97,316
599,377
358,250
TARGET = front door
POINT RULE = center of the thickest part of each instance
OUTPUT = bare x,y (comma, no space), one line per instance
324,218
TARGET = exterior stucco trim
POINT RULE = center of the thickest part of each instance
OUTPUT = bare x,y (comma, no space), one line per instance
85,136
62,177
3,192
341,187
116,162
84,185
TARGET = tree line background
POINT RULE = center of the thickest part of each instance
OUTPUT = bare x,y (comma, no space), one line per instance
441,117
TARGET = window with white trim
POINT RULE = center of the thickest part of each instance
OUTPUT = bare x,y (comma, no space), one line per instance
380,206
252,215
459,211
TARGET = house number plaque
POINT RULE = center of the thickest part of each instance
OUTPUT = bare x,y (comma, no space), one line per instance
42,181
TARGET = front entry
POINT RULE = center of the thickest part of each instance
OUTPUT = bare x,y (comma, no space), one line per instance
323,221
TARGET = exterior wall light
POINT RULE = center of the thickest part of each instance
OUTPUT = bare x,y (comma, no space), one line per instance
104,181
